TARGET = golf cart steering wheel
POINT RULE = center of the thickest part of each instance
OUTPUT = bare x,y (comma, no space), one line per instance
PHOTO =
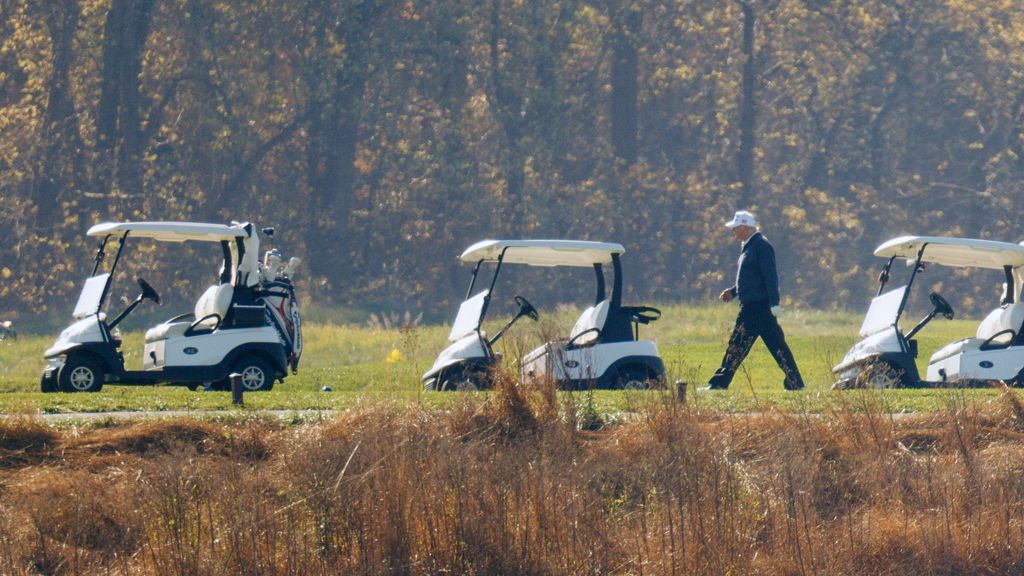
941,306
526,309
643,314
148,291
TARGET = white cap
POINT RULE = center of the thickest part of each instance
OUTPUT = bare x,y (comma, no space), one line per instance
742,218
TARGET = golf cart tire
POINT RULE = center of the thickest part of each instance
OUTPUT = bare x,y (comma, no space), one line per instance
879,375
636,377
80,373
257,373
463,380
1017,381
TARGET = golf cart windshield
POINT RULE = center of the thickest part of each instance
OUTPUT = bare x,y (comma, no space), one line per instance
884,311
91,298
468,318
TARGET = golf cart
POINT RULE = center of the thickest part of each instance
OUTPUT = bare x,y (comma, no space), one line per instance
602,350
885,357
247,322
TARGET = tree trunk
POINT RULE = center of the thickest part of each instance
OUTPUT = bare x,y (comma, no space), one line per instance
110,93
333,139
820,142
61,164
625,88
507,104
119,131
748,111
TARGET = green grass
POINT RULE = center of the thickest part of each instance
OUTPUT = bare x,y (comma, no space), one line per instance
353,360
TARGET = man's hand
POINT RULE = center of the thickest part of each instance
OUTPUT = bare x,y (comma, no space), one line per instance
726,295
777,311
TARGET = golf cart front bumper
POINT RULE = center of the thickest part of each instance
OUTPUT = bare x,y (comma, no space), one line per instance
48,381
846,377
469,348
884,346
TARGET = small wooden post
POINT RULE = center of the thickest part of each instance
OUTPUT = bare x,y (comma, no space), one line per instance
681,391
236,389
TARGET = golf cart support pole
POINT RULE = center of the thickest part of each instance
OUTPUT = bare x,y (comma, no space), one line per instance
225,275
117,258
120,249
494,280
472,282
600,283
616,282
906,293
883,277
100,255
1010,295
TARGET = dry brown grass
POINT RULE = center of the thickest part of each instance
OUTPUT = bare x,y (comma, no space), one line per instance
23,440
508,485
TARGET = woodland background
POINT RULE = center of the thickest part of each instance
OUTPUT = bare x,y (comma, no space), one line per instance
381,137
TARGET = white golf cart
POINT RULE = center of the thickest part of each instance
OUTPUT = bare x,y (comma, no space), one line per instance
603,349
885,357
248,322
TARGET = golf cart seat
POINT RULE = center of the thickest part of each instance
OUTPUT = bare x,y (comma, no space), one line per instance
211,308
588,328
998,330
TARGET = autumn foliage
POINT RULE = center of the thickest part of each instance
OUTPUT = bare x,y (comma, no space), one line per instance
381,137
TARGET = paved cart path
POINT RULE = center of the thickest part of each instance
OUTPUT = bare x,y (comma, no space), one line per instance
310,415
57,417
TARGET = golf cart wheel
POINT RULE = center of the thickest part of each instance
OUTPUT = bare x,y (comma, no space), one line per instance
880,375
461,380
1017,381
635,378
257,375
80,374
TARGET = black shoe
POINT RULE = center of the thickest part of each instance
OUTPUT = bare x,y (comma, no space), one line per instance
795,388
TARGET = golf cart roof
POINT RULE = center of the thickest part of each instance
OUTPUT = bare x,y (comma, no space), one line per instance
958,252
170,231
543,252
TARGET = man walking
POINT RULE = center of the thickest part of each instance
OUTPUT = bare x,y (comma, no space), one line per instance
757,288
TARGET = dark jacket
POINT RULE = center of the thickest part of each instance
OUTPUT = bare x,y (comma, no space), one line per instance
756,279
